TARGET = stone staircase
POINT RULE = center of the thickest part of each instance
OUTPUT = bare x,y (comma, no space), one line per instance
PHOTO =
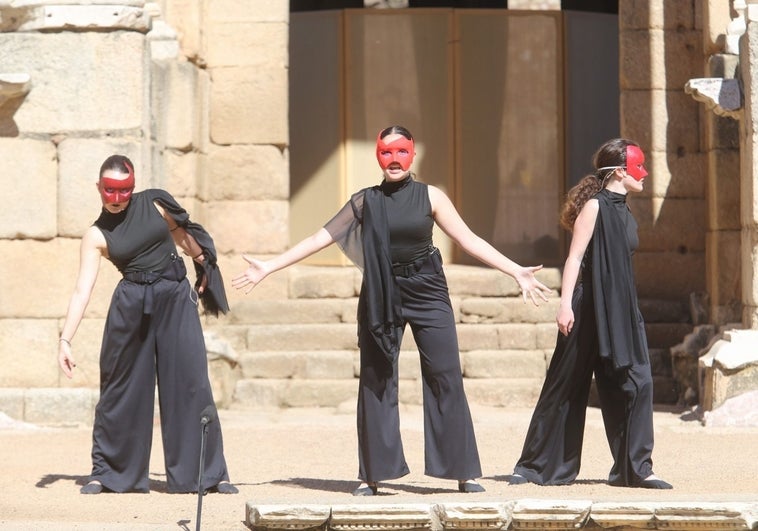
300,351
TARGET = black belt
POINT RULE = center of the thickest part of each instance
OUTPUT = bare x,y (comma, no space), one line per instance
175,271
425,264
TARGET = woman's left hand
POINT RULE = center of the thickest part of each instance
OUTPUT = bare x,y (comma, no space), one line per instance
530,286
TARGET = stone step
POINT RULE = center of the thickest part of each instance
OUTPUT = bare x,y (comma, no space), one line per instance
343,336
344,364
290,392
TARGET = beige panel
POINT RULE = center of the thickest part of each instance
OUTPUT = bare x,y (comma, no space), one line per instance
509,123
399,71
316,137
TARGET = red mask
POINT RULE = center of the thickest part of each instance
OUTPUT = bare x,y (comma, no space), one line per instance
401,151
635,163
117,190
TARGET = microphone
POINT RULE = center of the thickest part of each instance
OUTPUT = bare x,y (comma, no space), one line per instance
208,415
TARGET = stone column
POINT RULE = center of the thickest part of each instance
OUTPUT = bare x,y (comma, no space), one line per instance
749,171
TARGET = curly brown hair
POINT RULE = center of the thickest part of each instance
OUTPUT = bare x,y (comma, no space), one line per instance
610,155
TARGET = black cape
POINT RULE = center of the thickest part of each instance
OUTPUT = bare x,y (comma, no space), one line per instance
214,296
620,330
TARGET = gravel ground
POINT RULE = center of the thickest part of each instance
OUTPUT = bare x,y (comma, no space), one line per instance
308,456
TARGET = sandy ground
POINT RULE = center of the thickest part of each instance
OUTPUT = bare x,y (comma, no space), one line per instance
309,457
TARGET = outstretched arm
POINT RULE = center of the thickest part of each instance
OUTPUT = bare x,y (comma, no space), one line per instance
259,269
448,219
91,249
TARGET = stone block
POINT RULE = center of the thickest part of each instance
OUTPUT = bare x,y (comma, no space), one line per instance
504,392
75,75
175,99
546,336
186,17
30,178
58,16
657,59
234,10
481,336
516,336
263,117
318,393
676,175
263,169
42,294
724,284
303,337
28,352
667,224
287,516
644,14
60,406
410,516
661,120
307,282
235,43
224,368
410,393
257,227
479,281
562,514
254,393
79,161
506,310
482,515
12,402
181,171
290,311
724,190
729,368
669,275
504,364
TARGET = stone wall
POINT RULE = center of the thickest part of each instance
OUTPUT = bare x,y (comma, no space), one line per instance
194,91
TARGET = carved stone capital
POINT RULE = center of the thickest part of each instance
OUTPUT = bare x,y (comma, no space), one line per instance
722,96
14,86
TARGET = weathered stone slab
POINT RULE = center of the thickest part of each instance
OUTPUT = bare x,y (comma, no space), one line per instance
292,517
381,517
551,514
474,516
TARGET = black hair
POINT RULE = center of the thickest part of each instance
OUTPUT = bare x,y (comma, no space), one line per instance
119,163
396,130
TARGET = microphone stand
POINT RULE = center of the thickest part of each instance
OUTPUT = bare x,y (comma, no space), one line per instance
206,417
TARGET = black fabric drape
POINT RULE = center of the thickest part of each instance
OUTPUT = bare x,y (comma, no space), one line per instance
615,293
214,296
383,313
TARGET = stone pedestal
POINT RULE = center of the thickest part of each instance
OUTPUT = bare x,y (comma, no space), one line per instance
729,368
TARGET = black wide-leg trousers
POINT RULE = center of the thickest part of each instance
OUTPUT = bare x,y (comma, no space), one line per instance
166,343
450,448
552,451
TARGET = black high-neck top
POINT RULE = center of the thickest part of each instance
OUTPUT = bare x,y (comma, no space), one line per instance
409,219
138,238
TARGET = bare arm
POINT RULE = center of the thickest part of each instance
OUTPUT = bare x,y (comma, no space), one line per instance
91,249
260,269
584,227
448,219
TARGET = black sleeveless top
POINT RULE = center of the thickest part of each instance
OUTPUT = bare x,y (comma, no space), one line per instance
138,238
409,219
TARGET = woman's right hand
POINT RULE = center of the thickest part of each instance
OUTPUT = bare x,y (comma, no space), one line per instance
565,319
66,359
250,278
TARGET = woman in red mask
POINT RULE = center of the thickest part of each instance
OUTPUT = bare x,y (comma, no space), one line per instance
152,332
601,332
386,230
